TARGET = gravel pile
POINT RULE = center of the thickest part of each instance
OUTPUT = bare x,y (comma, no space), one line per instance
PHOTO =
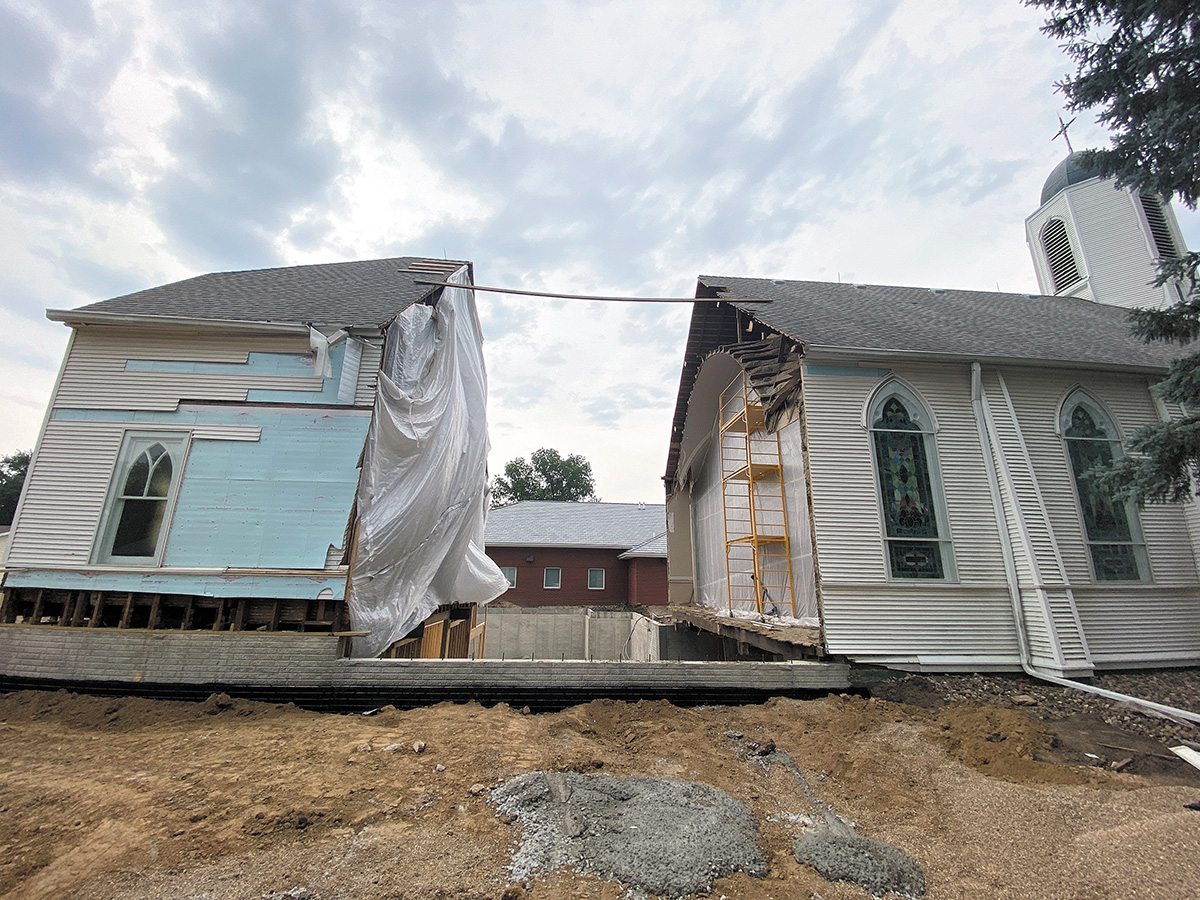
873,865
1173,687
657,835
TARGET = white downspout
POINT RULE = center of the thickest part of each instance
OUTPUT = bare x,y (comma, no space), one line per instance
987,441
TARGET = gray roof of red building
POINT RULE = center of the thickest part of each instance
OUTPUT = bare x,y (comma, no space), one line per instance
550,523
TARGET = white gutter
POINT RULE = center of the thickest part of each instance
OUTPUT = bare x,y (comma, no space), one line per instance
987,439
75,317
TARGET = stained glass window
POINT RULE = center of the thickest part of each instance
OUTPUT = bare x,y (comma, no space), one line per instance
1109,523
907,493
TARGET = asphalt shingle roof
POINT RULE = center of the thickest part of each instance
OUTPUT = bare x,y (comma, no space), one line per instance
367,292
976,324
550,523
654,547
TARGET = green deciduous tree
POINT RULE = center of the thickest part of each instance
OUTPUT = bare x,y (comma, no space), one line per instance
547,476
12,477
1138,65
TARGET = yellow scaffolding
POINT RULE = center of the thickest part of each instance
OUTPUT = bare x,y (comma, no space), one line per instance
758,561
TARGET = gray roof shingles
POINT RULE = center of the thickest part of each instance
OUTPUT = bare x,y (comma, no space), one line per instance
362,293
977,324
653,547
550,523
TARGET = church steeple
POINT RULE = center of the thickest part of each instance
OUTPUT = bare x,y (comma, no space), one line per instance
1091,239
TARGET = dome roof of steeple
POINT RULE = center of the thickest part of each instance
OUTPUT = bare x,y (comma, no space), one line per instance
1070,171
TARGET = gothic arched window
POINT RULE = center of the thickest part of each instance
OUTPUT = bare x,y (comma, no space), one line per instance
1113,533
143,488
1059,256
914,520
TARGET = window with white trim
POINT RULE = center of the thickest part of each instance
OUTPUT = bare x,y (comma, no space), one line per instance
134,527
915,529
595,579
552,579
1112,528
510,575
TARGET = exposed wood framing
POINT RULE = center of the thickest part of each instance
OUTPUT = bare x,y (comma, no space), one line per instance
99,609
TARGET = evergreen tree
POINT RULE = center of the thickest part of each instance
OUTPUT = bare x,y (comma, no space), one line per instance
12,477
547,476
1138,64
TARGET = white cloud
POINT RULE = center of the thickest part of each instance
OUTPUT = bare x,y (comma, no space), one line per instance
603,147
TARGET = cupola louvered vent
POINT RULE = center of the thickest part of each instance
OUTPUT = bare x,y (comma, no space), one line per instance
1159,229
1059,255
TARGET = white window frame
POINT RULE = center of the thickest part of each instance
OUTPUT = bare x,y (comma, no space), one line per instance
546,578
1079,396
133,444
920,413
510,575
595,587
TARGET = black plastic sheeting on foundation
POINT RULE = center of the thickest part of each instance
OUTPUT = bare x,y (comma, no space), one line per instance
544,698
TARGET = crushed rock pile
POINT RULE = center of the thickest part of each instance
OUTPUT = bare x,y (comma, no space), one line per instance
657,835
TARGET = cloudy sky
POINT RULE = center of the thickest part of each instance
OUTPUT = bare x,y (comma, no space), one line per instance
586,147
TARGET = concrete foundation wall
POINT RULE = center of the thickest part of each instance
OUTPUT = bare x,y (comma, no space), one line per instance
568,633
290,666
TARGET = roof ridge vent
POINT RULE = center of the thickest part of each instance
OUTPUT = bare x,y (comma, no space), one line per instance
860,287
937,290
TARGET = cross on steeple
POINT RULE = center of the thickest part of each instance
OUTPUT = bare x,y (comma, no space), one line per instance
1062,132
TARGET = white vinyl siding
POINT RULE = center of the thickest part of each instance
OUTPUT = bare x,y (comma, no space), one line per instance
1121,620
846,498
368,371
865,614
65,494
1114,246
1037,397
1072,622
96,377
71,471
1051,621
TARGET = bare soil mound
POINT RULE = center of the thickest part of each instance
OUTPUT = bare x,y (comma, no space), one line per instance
129,798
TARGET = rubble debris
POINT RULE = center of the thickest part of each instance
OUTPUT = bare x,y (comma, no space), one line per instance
657,835
873,865
839,853
418,746
296,893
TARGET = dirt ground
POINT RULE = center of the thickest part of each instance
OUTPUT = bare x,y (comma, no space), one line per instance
132,798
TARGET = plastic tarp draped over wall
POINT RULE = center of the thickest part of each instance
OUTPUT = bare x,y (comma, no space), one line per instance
423,496
708,527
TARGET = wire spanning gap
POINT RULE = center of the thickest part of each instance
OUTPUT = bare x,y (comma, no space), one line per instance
497,290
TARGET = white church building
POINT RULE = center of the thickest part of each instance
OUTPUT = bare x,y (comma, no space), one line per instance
902,467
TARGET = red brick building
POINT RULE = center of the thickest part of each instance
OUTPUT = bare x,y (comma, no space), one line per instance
580,554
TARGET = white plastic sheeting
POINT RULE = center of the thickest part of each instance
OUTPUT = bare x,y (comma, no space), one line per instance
423,496
708,528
